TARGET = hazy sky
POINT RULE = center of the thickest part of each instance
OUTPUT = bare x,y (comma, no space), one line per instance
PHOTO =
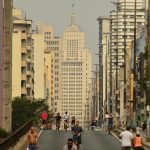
58,12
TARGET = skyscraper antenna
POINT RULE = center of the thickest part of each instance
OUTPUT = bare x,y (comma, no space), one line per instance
25,16
73,6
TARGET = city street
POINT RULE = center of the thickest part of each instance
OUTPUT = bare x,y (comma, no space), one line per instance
55,140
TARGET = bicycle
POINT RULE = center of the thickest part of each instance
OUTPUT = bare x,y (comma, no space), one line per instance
65,125
57,125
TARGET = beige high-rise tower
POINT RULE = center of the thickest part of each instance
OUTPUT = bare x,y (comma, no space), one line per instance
76,74
52,63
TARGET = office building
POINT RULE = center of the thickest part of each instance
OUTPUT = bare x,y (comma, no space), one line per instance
76,74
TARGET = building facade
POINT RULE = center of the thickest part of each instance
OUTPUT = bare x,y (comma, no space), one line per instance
38,52
23,85
76,74
123,27
52,47
125,12
104,64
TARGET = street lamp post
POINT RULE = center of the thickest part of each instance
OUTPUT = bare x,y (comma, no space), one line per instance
117,4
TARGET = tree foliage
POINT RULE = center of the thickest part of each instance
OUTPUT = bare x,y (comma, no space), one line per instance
24,110
3,134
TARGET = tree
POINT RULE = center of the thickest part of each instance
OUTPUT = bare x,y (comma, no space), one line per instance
24,110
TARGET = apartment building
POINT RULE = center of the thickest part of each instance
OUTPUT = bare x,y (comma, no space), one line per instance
122,28
52,47
22,57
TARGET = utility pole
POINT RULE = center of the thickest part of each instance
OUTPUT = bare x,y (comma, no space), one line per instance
116,90
134,96
93,97
106,70
110,64
100,76
125,52
96,92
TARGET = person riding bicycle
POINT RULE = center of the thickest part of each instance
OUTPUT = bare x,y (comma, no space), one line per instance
77,131
58,121
66,120
93,124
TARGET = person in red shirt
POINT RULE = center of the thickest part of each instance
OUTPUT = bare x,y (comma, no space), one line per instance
44,118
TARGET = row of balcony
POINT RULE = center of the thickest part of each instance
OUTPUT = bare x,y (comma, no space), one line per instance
25,49
25,35
24,62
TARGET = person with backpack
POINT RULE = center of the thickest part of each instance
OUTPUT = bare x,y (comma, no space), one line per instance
138,142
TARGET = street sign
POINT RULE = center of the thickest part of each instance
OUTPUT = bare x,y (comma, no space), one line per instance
117,92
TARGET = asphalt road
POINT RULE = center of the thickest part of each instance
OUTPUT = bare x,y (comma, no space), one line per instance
91,140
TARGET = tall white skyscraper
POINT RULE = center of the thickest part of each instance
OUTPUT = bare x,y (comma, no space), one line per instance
76,74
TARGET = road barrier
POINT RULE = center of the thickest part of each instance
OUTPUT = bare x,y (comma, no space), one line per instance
13,138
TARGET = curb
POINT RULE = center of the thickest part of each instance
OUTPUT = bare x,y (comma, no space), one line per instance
116,136
40,133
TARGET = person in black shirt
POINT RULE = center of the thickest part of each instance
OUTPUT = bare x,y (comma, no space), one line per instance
73,121
58,121
77,131
110,123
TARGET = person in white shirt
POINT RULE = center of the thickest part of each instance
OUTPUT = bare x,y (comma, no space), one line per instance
66,116
66,120
106,121
126,139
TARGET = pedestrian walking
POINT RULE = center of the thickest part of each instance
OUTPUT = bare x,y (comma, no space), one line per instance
138,143
110,123
70,145
106,121
77,131
32,139
58,121
126,139
73,121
